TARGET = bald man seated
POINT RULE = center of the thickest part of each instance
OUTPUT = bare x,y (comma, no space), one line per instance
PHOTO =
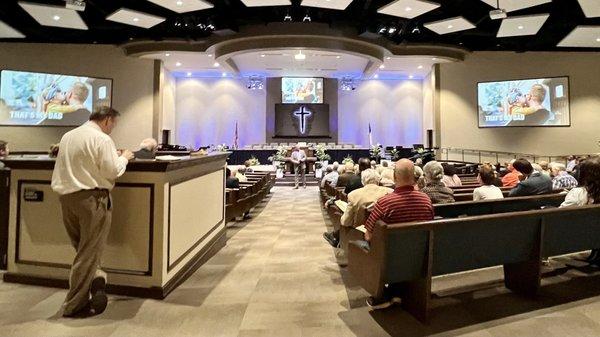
405,204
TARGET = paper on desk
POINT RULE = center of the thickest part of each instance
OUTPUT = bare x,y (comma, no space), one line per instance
361,228
170,157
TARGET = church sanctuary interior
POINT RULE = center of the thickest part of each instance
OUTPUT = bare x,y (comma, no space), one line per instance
299,168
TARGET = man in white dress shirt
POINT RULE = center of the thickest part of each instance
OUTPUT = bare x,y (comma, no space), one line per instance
299,162
84,173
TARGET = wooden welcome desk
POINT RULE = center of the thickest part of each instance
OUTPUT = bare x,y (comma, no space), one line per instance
168,219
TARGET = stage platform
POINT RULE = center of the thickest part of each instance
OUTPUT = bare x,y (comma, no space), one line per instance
238,157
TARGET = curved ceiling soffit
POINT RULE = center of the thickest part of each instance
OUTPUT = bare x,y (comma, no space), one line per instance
296,36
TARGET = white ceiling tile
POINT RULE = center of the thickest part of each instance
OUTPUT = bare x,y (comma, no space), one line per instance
135,18
451,25
261,3
8,32
408,8
54,16
183,6
522,25
582,37
515,5
331,4
591,8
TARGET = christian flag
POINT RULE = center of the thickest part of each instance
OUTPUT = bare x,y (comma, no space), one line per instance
235,137
370,136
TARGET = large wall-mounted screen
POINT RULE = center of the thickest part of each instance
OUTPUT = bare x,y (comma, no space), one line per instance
527,102
301,90
40,99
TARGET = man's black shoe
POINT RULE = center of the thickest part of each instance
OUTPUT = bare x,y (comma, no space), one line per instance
331,239
98,300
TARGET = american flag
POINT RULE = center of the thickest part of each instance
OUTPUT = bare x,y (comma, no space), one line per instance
235,137
370,136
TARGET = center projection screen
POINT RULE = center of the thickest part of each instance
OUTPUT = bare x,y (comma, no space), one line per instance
41,99
301,90
526,102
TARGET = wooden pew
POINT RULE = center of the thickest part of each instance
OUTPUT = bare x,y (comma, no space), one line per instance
240,201
410,254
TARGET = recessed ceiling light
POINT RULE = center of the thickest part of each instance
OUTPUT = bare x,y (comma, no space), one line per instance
136,19
387,58
450,26
56,18
209,55
216,64
434,58
179,3
262,55
598,39
411,77
178,64
300,56
408,9
224,74
420,67
381,66
376,76
189,74
167,54
520,27
338,57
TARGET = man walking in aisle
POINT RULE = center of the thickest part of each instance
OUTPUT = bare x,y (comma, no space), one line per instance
84,173
299,162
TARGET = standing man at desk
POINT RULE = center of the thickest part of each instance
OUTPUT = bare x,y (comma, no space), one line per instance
84,173
299,162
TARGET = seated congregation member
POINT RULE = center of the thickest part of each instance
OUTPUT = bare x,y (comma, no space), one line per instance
487,191
347,172
560,178
571,163
511,179
434,187
533,183
355,181
387,177
587,193
241,174
231,181
373,164
545,168
248,165
332,175
147,149
3,151
405,204
358,200
450,178
419,178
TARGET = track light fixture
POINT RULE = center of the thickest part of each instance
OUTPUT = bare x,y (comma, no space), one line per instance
287,17
307,18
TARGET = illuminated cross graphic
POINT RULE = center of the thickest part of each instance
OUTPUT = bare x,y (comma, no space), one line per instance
302,115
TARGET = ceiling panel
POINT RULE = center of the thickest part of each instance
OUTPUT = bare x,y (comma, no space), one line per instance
54,16
8,32
515,5
183,6
591,8
451,25
330,4
582,37
261,3
522,25
408,8
135,18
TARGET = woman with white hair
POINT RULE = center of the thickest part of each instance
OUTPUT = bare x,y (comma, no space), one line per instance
434,187
419,178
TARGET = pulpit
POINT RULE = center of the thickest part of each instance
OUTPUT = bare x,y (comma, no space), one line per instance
310,160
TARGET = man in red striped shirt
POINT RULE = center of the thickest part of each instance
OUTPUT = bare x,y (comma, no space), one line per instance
405,204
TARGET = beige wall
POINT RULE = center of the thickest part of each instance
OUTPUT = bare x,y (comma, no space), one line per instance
169,94
458,102
428,106
132,88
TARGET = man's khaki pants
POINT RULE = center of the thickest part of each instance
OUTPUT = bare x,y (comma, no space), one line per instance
87,217
299,172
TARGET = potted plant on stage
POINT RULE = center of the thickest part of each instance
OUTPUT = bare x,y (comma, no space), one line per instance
375,152
348,159
278,160
394,154
323,160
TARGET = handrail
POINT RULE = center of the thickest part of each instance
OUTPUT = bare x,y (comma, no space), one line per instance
497,154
